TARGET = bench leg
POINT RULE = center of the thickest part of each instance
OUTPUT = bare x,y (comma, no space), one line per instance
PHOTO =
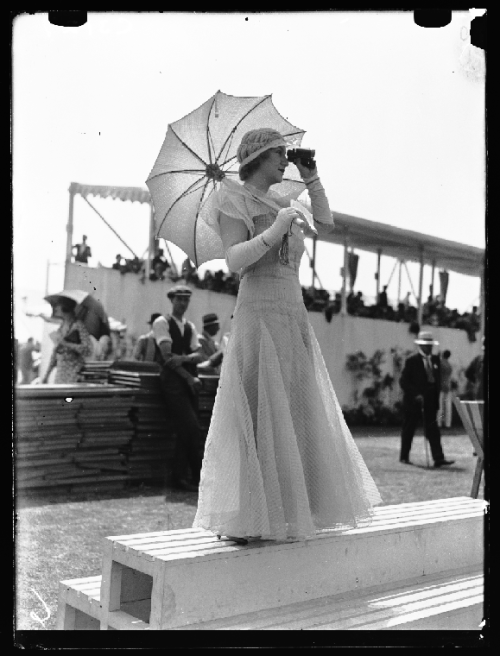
66,617
111,588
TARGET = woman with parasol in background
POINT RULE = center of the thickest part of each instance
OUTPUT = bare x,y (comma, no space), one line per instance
73,343
279,460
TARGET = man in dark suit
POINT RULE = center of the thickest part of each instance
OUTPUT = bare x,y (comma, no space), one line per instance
420,381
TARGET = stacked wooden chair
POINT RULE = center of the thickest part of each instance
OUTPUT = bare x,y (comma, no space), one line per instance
472,415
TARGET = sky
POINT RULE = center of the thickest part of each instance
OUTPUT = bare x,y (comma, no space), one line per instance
395,112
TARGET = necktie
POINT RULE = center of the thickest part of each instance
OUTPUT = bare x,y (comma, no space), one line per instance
428,366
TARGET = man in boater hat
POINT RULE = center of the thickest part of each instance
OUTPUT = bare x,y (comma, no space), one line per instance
420,381
209,347
179,352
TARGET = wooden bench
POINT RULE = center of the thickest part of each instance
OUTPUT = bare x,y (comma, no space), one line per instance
450,601
472,415
187,578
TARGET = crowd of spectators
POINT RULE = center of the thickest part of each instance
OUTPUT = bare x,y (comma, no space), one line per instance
215,281
434,313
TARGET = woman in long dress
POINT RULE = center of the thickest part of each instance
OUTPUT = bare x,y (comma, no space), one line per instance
280,462
73,345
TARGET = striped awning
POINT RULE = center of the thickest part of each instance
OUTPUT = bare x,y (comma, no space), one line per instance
133,194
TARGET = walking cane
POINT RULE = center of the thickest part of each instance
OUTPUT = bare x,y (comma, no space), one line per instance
425,438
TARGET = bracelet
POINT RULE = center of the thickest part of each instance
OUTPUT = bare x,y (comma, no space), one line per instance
265,243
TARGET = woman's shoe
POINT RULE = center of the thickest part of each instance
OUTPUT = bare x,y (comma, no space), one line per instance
231,538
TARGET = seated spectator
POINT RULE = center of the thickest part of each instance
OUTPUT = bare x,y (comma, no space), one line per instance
231,284
350,302
400,313
120,264
218,281
359,304
189,272
159,264
208,280
382,298
135,265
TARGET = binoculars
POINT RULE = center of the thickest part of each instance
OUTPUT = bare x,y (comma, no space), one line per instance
304,155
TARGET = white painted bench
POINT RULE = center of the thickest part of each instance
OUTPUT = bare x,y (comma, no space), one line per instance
416,562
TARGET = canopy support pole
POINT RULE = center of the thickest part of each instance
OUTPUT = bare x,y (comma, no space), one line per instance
420,307
377,287
311,263
69,234
151,240
432,278
343,305
399,281
110,227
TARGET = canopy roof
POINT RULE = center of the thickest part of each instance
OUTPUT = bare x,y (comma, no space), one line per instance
132,194
360,233
406,245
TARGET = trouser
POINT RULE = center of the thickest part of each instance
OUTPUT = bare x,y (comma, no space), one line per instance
182,409
444,409
412,414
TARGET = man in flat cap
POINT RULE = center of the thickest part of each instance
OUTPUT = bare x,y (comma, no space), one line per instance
209,347
179,353
420,381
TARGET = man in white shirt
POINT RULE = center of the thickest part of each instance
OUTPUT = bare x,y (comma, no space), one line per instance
145,348
178,354
209,347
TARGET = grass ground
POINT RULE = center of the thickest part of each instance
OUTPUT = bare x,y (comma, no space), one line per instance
61,539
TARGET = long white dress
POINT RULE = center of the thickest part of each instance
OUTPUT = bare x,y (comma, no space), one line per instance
280,461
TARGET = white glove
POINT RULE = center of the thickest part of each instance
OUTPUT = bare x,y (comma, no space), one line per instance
319,202
248,252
